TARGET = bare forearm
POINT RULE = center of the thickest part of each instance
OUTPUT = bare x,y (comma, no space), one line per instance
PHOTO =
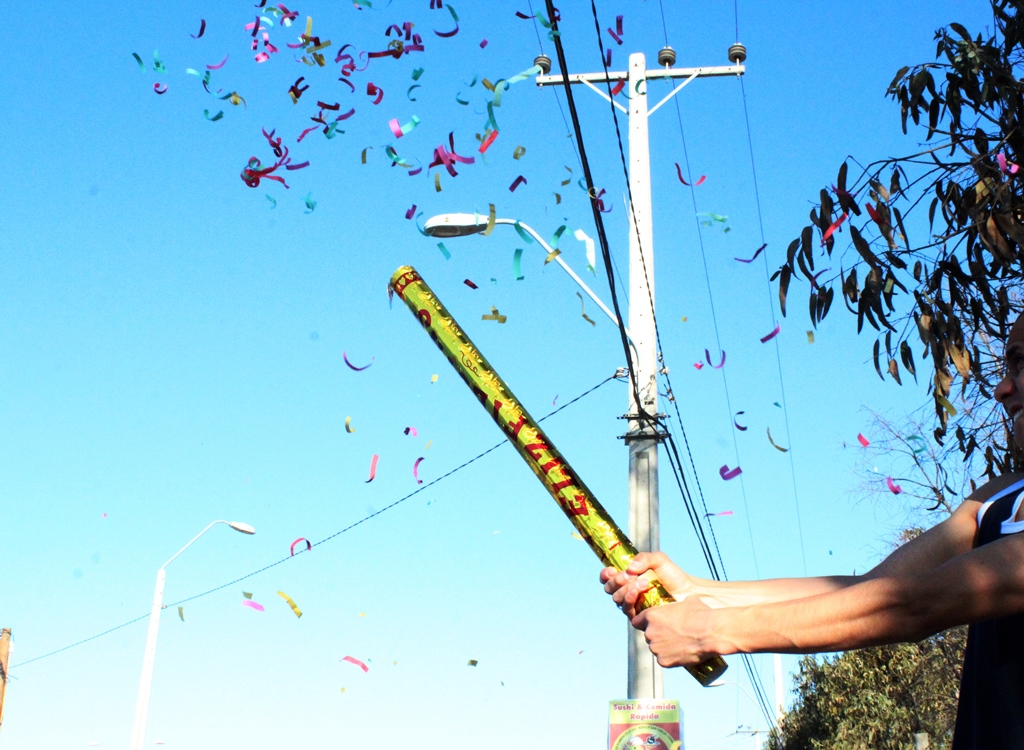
746,593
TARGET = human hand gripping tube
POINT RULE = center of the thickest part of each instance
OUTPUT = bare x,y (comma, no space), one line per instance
577,502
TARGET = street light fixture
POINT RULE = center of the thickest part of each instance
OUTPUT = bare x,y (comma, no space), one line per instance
146,681
464,225
739,730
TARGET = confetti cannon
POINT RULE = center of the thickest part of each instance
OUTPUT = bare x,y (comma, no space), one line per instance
577,502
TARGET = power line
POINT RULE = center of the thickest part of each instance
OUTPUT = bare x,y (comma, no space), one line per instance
322,541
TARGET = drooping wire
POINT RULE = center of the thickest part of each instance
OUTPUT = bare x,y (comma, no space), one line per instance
322,541
778,354
664,26
718,341
536,26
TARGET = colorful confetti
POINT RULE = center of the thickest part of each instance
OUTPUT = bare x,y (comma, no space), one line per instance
344,356
726,473
354,660
300,539
292,604
373,468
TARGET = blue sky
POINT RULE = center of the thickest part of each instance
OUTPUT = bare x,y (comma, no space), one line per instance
171,353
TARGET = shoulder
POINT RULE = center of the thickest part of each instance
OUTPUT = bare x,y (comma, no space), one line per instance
967,512
990,489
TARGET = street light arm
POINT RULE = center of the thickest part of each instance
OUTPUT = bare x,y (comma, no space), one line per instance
572,274
214,523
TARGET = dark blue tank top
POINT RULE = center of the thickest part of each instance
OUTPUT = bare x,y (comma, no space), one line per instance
990,715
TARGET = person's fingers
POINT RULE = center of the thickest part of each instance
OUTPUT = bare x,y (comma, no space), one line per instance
617,581
647,561
640,621
607,574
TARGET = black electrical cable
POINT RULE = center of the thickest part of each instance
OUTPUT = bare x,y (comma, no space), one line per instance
322,541
595,208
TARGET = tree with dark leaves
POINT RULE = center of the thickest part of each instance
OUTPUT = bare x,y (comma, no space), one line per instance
955,288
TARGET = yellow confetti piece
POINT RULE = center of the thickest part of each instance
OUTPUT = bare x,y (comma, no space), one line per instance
343,690
181,613
774,444
495,315
472,662
552,255
944,403
428,445
491,218
348,425
247,594
685,318
291,603
437,182
576,535
362,614
433,378
810,337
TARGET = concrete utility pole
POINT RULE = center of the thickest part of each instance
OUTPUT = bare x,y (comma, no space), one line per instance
642,438
5,653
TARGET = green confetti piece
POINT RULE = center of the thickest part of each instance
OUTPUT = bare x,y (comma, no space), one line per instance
444,251
417,73
516,265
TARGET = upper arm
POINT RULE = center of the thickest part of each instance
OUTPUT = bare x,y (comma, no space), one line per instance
934,547
944,541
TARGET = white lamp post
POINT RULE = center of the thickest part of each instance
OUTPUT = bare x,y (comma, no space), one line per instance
146,681
752,732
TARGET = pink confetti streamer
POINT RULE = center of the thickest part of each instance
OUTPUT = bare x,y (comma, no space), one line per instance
893,487
832,228
416,470
411,212
699,365
736,423
1004,166
354,660
720,365
520,180
863,440
411,431
160,88
715,515
219,65
202,29
759,251
373,90
301,539
373,468
617,88
470,284
773,334
252,605
344,356
262,57
483,44
726,473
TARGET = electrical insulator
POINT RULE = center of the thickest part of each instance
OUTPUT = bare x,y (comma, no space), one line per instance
737,54
544,62
666,57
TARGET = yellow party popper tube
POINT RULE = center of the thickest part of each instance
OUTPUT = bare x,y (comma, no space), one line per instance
577,502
